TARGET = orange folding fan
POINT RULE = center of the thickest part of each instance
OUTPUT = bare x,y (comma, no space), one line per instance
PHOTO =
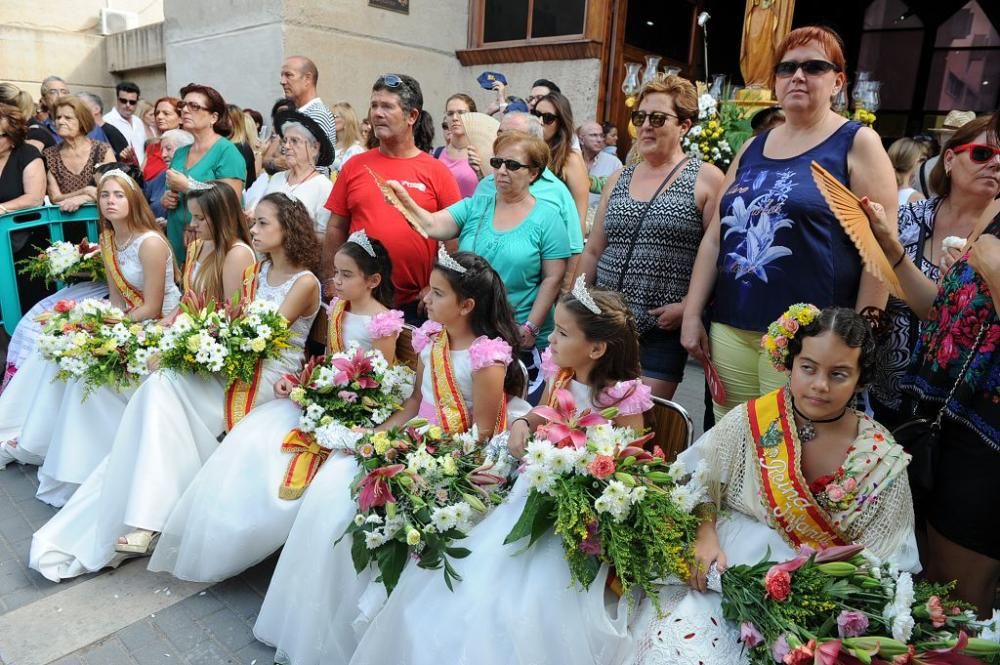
846,207
391,197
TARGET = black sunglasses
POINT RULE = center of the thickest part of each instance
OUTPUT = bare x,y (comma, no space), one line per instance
130,102
546,118
787,68
656,118
497,162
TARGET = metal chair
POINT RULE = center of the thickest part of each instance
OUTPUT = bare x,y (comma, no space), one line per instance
527,379
672,424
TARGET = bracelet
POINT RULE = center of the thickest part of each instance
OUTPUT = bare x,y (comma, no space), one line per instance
511,426
532,328
899,260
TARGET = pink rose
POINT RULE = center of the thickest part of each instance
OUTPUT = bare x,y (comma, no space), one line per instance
851,623
602,467
348,396
781,342
849,485
936,612
792,326
835,493
778,584
63,306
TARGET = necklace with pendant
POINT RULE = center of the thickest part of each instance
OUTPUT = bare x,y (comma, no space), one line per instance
808,430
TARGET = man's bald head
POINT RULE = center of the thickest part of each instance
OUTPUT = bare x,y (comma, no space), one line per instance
299,76
591,138
518,121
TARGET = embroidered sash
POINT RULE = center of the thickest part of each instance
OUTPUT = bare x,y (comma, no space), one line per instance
307,457
798,517
335,342
131,295
193,250
560,381
240,395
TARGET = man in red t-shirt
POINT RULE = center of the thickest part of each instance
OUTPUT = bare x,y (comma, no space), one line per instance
357,203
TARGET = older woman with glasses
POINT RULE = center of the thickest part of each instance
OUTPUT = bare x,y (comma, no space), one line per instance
648,226
775,241
211,157
304,144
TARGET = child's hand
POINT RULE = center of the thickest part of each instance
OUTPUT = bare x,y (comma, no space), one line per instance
283,387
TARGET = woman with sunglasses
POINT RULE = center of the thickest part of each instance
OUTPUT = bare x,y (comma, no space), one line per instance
967,184
775,241
649,223
211,157
556,115
954,373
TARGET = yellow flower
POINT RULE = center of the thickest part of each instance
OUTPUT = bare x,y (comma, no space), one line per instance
382,445
448,466
379,437
435,432
297,394
258,344
135,329
717,134
412,537
193,342
712,124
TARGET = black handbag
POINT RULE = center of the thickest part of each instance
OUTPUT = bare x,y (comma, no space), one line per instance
921,437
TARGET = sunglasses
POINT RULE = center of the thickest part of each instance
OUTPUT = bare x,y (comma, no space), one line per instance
497,162
978,152
191,106
787,68
546,118
130,102
656,118
392,80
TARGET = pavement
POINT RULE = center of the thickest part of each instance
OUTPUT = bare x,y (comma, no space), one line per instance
130,616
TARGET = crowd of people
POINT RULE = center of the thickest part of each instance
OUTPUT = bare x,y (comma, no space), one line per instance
545,258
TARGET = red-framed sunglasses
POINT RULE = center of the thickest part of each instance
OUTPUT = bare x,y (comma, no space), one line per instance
978,152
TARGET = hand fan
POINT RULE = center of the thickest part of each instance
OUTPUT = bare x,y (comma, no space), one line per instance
482,132
846,207
391,197
715,385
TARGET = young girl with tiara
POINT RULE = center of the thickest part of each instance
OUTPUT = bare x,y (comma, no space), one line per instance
232,515
140,276
464,378
512,605
173,422
214,269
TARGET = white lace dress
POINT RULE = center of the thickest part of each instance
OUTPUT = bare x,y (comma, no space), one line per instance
38,410
512,605
314,593
168,430
231,517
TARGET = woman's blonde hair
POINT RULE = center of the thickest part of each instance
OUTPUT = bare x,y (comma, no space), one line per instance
140,215
11,94
142,108
905,154
682,91
351,133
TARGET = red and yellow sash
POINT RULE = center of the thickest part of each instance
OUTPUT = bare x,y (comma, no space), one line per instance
240,395
452,414
131,295
193,250
800,520
335,342
307,457
560,381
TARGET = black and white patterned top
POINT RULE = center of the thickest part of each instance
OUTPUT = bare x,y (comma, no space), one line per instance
659,271
916,227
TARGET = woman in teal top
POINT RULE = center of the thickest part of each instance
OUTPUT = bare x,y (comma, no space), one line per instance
210,157
523,238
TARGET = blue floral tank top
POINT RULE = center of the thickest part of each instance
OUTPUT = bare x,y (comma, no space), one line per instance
780,243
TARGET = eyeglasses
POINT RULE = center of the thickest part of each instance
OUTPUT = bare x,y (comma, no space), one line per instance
497,162
191,106
978,152
130,102
293,140
391,80
787,68
656,118
546,118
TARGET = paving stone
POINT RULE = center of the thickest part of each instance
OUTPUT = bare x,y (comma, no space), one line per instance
135,636
201,604
228,629
21,550
259,577
264,655
238,596
36,512
20,598
15,527
12,579
108,652
180,628
69,660
210,653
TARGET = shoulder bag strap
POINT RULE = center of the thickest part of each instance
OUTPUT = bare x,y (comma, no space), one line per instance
961,374
642,218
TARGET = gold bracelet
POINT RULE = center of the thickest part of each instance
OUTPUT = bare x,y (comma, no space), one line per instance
707,512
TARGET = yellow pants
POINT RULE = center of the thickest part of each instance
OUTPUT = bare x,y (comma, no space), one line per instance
744,367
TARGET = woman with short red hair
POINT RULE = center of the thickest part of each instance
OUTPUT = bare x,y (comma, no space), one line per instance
775,241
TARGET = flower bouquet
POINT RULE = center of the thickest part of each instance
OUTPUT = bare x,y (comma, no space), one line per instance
91,341
417,493
609,500
720,131
842,606
257,333
62,261
196,340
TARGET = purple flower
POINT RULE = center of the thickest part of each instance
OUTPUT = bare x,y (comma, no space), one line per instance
591,545
749,635
780,649
348,396
851,623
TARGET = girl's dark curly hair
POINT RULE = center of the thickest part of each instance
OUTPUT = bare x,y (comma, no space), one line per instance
299,241
373,265
853,328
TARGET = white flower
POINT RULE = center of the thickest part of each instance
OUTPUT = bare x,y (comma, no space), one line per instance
539,478
616,489
374,539
469,440
463,515
902,627
538,452
685,499
444,518
637,494
991,628
373,519
562,461
359,519
335,436
676,471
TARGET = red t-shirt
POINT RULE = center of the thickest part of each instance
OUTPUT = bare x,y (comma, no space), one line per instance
356,196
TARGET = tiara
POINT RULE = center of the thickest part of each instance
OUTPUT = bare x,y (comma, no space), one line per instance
361,238
444,258
120,174
197,185
581,293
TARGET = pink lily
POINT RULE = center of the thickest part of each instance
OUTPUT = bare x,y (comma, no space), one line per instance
374,490
949,655
838,553
827,653
305,375
794,564
354,369
564,427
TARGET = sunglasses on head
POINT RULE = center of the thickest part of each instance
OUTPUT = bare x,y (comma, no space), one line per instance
978,152
497,162
546,118
787,68
130,102
392,80
656,118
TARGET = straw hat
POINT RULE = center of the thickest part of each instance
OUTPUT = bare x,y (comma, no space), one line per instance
954,121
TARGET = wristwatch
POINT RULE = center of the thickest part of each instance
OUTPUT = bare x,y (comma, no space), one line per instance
532,328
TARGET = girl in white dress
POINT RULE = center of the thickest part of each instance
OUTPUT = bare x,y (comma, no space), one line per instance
231,517
140,276
173,422
463,373
74,454
515,606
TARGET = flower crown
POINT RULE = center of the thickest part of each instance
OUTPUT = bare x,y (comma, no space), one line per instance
360,238
781,332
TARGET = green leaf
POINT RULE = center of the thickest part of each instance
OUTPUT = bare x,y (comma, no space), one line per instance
360,553
391,559
458,552
535,519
